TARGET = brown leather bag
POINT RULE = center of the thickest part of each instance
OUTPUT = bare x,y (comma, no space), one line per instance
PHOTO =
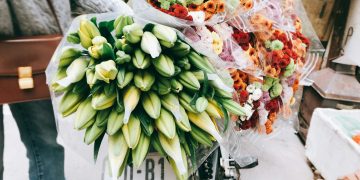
22,67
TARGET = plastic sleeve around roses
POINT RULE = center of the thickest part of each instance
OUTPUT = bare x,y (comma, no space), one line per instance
233,54
307,28
316,50
145,10
231,57
264,16
73,139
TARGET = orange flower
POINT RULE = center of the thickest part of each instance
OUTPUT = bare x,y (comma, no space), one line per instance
232,71
272,117
272,72
268,24
208,15
193,7
268,127
202,7
210,7
236,77
256,19
296,85
243,76
356,138
221,7
248,5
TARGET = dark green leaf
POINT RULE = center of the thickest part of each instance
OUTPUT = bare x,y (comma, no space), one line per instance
120,106
211,92
205,85
97,145
97,88
193,145
149,27
194,98
157,145
110,25
145,119
106,32
81,87
93,20
226,115
110,89
107,52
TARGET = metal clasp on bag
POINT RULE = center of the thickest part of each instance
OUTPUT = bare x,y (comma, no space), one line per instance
26,80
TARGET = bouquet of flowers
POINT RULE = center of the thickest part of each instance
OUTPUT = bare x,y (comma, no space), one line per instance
282,54
142,85
181,13
261,15
188,10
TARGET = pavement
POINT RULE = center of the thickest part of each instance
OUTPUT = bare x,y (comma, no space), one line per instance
281,157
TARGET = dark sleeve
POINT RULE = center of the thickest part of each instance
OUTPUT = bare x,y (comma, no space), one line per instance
94,6
6,27
32,17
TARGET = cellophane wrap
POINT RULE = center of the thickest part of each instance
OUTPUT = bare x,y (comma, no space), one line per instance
263,15
146,11
73,138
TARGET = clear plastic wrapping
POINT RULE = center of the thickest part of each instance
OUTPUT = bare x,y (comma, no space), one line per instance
263,16
74,138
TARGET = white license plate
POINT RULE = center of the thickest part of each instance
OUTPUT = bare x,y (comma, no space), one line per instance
154,167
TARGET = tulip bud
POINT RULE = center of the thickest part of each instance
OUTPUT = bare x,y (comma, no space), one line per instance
102,117
84,114
100,48
166,35
90,77
184,123
144,80
164,65
73,38
133,33
101,101
163,86
115,122
117,150
150,44
55,86
75,72
106,71
132,131
87,32
176,86
201,104
122,57
69,103
141,60
92,133
124,78
68,55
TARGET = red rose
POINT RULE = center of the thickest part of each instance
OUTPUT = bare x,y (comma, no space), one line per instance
244,95
245,125
273,105
180,11
256,104
254,119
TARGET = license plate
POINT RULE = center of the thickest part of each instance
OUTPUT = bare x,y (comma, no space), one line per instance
154,167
